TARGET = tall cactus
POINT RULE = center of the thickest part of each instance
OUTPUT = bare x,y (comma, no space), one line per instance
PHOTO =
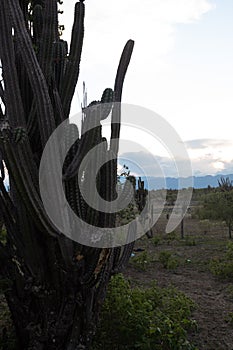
55,286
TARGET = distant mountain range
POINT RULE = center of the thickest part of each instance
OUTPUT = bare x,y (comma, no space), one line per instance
154,183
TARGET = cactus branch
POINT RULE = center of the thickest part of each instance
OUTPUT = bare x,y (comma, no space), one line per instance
118,87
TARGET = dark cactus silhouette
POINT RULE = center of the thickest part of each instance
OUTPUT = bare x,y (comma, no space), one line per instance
225,184
143,203
54,286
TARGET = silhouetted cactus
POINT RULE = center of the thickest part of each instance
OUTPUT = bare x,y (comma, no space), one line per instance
142,202
57,285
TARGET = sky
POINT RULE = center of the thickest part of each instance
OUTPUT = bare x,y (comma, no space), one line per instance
181,68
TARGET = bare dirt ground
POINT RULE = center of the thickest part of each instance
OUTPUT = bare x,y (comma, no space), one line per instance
211,295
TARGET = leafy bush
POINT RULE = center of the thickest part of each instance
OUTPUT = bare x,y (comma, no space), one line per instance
190,242
7,334
223,267
229,252
128,214
141,261
154,318
168,260
171,236
229,318
155,240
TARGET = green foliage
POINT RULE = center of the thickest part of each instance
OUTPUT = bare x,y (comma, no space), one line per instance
171,236
164,256
205,224
229,252
154,318
141,261
168,260
155,240
218,206
223,268
7,335
229,318
230,291
171,197
128,214
188,241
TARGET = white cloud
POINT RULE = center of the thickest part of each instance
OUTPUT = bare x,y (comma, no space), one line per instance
179,92
151,23
220,151
211,156
193,95
208,157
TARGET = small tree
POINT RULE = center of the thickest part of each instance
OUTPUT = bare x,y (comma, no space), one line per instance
218,206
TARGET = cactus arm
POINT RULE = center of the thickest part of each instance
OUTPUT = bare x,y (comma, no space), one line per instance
60,51
13,101
9,217
7,200
72,68
1,114
2,169
122,69
101,288
18,166
91,261
123,259
7,213
36,77
95,111
32,123
119,81
116,256
58,110
3,255
50,32
2,93
37,23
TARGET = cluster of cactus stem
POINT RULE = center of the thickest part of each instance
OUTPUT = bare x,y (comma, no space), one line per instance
55,286
144,204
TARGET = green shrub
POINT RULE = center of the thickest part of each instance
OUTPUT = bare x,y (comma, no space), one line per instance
229,252
230,291
189,241
141,260
172,263
223,268
154,318
7,334
155,240
168,260
229,318
171,236
128,214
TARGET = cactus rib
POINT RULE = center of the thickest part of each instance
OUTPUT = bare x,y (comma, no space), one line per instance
36,77
13,101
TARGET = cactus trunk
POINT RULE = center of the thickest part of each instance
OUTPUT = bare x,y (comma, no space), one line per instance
55,286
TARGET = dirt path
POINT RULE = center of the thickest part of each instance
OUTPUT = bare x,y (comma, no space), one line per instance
211,297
